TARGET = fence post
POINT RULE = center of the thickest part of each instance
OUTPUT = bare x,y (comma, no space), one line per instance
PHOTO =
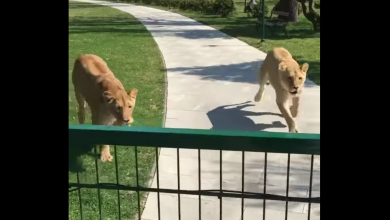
262,21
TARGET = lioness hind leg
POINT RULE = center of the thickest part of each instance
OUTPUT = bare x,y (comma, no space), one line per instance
82,104
263,82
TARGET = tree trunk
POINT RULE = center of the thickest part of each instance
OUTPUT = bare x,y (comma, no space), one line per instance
290,6
311,14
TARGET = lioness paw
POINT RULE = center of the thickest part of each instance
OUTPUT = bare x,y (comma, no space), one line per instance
106,156
294,130
257,97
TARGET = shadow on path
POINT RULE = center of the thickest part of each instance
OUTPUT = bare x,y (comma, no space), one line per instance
232,117
241,72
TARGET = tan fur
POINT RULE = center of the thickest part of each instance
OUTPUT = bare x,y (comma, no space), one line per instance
110,104
287,78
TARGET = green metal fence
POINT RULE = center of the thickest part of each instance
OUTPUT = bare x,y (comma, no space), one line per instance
88,136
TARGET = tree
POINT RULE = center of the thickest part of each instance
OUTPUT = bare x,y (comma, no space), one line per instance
291,6
311,14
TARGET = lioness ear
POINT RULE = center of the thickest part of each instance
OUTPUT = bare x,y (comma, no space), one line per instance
108,97
282,66
305,67
133,93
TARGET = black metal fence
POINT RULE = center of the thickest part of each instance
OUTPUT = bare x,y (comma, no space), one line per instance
87,136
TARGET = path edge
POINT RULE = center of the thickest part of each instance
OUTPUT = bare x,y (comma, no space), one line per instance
152,173
308,81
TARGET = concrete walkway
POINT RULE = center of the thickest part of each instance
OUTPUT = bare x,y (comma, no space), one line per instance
211,85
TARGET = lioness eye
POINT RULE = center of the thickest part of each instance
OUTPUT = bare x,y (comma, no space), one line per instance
130,106
118,108
300,78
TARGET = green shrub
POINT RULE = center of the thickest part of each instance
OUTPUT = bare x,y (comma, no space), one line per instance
148,2
207,6
225,8
167,3
256,11
175,3
164,3
193,5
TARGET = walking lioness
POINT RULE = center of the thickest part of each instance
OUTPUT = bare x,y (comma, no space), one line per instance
287,78
110,104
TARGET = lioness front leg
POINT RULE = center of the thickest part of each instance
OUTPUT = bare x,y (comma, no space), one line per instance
283,105
105,154
295,106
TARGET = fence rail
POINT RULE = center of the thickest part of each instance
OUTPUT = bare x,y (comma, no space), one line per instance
271,142
267,142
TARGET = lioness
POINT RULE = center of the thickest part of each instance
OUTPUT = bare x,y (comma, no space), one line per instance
110,104
287,78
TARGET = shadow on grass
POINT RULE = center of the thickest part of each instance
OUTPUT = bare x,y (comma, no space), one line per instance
186,34
245,27
87,21
249,30
80,5
75,154
81,25
235,27
98,22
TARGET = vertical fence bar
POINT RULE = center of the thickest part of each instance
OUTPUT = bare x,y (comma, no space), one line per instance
220,184
199,186
311,184
242,185
178,184
98,190
79,193
117,182
288,184
265,182
136,173
158,185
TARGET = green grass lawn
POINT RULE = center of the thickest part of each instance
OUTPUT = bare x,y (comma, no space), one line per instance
133,56
303,43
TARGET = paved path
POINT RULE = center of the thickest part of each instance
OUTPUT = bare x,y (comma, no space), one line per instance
211,85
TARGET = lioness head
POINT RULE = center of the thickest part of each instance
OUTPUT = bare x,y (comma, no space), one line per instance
292,75
121,105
